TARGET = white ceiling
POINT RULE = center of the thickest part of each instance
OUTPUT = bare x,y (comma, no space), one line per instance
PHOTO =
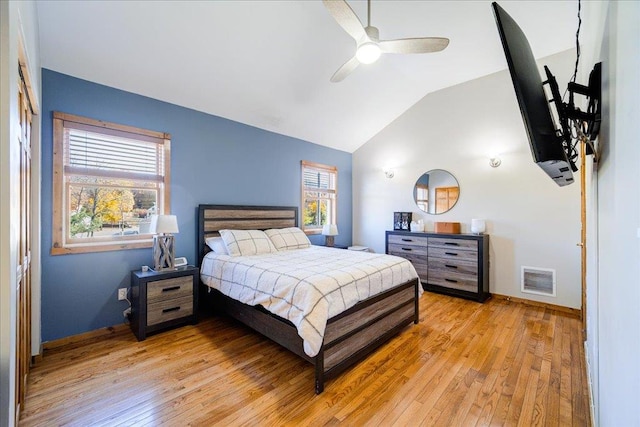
268,63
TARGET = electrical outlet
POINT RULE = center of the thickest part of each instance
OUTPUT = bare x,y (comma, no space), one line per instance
122,294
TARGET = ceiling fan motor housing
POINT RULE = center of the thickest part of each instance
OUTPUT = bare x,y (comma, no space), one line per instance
372,34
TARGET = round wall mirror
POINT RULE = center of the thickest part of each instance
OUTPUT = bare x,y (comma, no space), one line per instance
436,191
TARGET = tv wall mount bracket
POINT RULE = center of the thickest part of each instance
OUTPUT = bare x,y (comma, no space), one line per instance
586,124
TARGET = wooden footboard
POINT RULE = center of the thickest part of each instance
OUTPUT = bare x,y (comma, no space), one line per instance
349,337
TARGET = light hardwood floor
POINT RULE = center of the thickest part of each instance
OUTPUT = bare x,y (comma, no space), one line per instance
464,364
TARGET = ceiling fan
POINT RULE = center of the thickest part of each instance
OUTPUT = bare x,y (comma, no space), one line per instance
369,45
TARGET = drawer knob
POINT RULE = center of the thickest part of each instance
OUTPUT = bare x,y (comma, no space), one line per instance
172,288
451,280
407,240
451,266
168,310
451,253
407,249
452,243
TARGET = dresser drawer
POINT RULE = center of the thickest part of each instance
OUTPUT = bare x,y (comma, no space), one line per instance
452,254
176,287
169,309
402,250
419,262
453,280
443,242
457,267
408,240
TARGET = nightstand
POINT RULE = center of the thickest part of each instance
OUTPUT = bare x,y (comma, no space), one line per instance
340,246
163,299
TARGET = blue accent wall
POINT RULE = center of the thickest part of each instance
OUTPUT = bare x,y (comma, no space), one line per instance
213,160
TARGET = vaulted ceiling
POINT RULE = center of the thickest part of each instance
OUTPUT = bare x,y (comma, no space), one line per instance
268,63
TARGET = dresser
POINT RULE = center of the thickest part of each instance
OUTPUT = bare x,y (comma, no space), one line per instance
452,264
163,299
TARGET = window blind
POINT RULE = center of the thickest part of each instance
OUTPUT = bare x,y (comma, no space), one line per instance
101,155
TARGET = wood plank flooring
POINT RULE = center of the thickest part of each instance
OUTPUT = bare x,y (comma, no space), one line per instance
464,364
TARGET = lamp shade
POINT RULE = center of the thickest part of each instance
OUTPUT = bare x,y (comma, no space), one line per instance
163,224
330,230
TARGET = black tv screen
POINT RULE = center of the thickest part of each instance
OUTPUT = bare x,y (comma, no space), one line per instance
546,145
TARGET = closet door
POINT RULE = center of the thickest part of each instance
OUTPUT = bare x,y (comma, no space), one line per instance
23,286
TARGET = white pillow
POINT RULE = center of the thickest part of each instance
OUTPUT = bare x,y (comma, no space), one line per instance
216,244
288,238
247,242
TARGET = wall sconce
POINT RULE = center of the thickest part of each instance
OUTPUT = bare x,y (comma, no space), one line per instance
163,226
329,231
388,173
495,161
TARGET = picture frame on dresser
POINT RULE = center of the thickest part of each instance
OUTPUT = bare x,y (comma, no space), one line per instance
451,264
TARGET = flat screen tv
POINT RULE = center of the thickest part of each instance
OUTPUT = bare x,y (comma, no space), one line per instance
546,144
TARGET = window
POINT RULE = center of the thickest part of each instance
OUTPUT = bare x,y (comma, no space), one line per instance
319,196
108,180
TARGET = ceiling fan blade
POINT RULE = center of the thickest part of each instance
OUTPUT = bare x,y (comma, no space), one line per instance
417,45
345,70
346,17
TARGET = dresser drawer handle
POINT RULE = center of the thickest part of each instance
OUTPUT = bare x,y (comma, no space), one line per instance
452,243
407,249
172,288
451,280
168,310
407,240
451,266
451,253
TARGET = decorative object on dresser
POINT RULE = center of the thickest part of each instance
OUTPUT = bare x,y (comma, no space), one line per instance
452,264
417,226
329,231
478,226
163,299
447,227
401,220
163,227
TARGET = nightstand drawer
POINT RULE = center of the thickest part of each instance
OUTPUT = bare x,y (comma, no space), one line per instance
176,287
170,309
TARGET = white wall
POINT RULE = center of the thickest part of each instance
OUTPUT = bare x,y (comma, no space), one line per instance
18,24
532,221
613,287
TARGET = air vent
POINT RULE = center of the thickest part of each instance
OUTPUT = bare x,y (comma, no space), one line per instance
540,281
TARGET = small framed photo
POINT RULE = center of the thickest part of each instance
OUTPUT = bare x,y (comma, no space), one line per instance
402,220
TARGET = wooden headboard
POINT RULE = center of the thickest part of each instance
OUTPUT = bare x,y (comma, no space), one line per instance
213,218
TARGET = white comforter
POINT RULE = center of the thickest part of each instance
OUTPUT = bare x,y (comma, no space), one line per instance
306,286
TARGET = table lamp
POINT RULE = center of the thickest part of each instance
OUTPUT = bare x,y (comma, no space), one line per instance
329,230
162,226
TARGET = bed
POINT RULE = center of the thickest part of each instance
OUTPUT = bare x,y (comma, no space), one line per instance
351,331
